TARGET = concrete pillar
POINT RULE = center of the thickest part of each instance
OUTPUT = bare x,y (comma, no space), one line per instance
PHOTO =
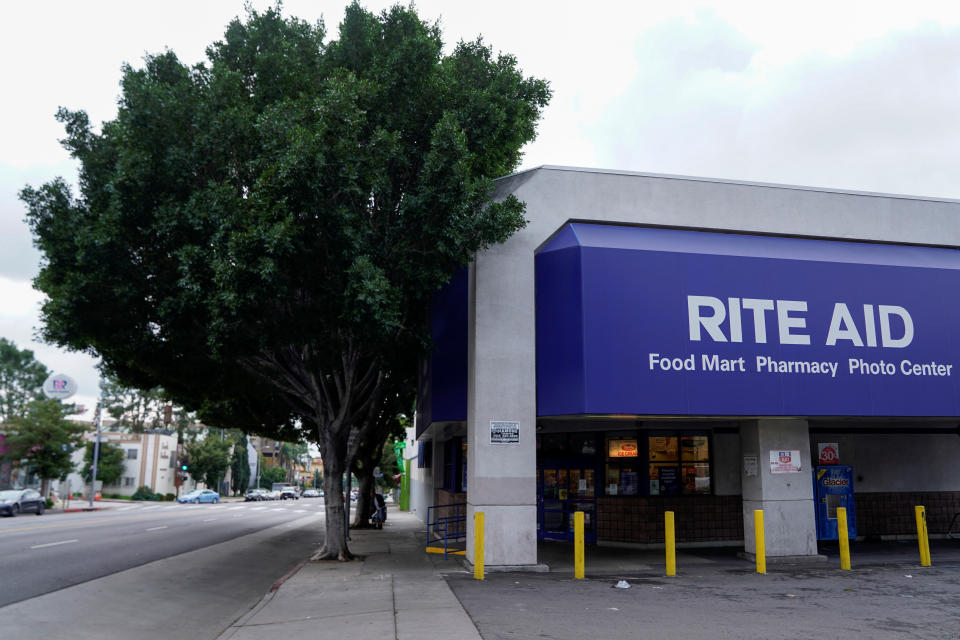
501,386
786,498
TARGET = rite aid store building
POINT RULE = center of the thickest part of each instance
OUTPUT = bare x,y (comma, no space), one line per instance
650,343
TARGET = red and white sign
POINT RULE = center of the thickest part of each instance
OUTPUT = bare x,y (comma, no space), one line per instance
785,461
829,452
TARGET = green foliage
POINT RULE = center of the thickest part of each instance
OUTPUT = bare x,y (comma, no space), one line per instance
208,459
169,497
21,380
269,475
144,493
239,465
43,438
111,462
270,226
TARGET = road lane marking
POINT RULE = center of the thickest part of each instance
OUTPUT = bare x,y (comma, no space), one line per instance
258,508
156,528
300,511
210,519
52,544
234,508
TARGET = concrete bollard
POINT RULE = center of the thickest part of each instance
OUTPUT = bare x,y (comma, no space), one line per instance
478,545
761,547
922,537
670,542
578,569
844,538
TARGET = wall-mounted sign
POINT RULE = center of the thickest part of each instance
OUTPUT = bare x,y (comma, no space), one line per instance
829,452
751,466
504,432
785,461
626,448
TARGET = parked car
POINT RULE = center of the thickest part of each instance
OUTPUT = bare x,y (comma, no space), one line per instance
310,493
255,495
200,495
289,493
273,495
13,502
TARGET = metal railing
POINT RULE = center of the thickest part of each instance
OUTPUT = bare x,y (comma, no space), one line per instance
447,529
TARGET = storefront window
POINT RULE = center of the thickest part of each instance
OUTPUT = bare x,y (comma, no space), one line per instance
696,464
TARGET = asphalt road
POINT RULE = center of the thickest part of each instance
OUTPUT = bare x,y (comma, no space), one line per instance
144,571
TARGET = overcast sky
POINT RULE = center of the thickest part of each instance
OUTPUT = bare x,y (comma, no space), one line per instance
847,95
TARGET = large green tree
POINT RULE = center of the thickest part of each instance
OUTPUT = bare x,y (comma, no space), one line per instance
208,459
270,226
240,464
21,380
111,462
43,439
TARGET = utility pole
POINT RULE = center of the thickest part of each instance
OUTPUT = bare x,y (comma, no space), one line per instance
96,453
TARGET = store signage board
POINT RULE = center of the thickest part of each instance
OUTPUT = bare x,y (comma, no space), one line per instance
785,461
626,448
59,386
829,452
750,466
643,321
504,432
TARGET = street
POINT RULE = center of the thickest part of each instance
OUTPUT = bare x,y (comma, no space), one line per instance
148,570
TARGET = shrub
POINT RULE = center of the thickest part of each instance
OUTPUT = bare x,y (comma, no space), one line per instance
144,493
169,497
49,503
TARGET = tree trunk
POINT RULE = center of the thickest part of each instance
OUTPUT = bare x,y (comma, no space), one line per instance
44,487
364,501
335,545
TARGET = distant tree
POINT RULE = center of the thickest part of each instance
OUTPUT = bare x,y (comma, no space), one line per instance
317,482
21,380
270,226
289,456
240,465
111,462
43,439
209,459
269,475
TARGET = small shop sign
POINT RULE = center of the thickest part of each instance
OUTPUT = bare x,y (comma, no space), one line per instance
785,461
504,432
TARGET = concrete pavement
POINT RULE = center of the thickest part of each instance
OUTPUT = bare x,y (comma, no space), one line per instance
395,591
399,591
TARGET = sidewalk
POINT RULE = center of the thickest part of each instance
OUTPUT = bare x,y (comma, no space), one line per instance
396,591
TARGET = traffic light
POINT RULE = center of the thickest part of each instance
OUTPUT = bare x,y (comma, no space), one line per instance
183,466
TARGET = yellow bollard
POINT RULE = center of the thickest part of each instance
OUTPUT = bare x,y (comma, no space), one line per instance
578,545
761,549
670,542
844,537
478,545
922,537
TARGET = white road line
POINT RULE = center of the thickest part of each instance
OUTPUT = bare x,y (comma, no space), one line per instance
209,519
156,528
239,515
300,511
235,508
258,509
277,509
136,506
52,544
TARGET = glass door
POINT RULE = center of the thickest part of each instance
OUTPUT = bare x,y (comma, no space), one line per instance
564,491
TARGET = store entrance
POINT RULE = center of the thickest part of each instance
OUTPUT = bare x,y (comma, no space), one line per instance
562,490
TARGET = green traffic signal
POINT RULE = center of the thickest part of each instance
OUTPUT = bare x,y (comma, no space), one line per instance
184,467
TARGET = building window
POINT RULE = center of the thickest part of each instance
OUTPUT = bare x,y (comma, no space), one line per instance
425,455
672,463
454,465
131,454
128,481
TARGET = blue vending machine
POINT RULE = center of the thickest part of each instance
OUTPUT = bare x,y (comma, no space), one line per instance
832,488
